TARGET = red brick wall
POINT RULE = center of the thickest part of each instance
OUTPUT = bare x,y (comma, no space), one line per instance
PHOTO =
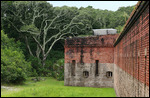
93,49
104,55
129,53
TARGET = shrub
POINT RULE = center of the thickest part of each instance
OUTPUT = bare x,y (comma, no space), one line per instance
36,66
59,69
55,70
55,55
53,66
14,68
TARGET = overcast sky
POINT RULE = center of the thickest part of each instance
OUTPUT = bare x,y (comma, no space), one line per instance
109,5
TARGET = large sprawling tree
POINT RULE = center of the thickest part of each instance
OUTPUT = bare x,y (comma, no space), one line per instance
44,24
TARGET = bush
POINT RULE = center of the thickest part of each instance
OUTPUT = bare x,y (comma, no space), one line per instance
14,68
53,66
59,70
55,55
55,70
36,66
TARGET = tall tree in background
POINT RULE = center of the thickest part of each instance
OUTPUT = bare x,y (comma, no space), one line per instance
44,24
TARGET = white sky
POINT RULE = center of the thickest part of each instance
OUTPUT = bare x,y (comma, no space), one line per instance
109,5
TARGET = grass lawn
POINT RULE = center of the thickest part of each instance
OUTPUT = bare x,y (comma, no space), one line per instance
53,88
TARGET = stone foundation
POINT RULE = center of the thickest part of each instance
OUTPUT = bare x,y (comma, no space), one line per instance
127,86
92,80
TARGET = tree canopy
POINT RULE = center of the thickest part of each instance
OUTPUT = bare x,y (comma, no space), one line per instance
42,28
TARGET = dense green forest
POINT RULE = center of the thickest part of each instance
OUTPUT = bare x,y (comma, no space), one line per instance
33,34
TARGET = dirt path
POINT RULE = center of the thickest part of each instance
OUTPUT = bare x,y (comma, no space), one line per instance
9,88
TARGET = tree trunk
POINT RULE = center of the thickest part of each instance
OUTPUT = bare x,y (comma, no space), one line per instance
43,61
38,51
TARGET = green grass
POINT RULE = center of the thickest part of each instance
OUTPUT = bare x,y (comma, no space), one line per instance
53,88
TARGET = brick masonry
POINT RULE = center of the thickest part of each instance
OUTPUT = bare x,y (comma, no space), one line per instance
132,59
85,52
92,48
127,57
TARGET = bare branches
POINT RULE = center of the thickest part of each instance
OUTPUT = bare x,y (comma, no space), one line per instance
63,23
42,23
14,25
46,29
51,47
38,50
37,42
60,37
52,21
26,40
61,31
16,16
54,36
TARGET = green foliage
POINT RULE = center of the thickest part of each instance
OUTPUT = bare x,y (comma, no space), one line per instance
53,66
55,69
127,9
119,29
87,17
59,69
21,13
30,28
9,43
55,55
101,19
14,68
36,66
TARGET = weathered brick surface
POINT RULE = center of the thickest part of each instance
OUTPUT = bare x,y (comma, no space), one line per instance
131,58
104,55
92,47
87,51
92,81
127,86
99,41
128,60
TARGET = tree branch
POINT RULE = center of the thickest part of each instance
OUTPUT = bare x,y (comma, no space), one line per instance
60,37
37,42
54,36
38,50
26,40
14,26
46,29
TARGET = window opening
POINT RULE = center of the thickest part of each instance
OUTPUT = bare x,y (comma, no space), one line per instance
86,74
96,70
102,40
73,67
108,74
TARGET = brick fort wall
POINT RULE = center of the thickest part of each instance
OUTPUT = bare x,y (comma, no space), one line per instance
85,52
131,53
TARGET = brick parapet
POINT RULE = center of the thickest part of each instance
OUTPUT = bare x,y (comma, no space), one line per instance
95,41
92,48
